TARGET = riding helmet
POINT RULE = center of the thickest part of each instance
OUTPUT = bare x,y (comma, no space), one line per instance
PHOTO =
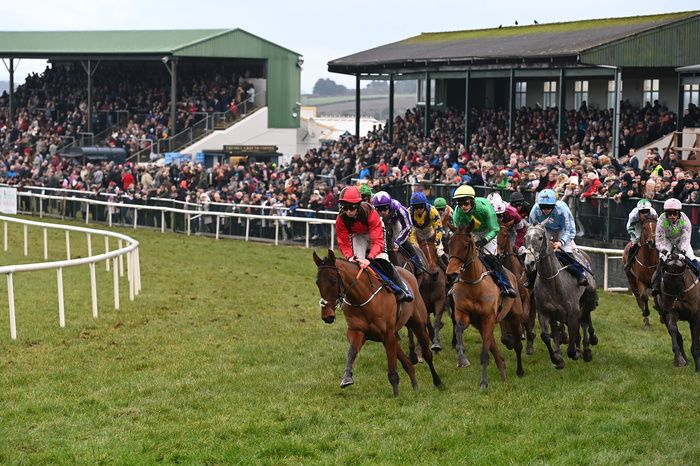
381,198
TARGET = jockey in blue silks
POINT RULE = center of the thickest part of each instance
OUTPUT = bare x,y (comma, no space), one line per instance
558,220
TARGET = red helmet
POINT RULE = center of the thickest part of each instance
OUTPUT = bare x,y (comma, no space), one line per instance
350,195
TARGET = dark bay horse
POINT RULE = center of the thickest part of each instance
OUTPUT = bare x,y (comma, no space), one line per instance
433,288
510,261
478,301
645,263
559,299
680,300
372,313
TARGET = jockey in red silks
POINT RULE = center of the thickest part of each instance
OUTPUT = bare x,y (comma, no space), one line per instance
361,238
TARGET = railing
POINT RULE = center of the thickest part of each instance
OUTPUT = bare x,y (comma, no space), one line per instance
130,250
608,254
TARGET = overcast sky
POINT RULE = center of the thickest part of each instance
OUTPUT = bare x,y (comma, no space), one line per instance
319,30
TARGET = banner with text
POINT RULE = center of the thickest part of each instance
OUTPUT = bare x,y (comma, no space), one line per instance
8,201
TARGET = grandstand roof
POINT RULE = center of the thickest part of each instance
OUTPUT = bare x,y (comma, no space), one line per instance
560,42
104,44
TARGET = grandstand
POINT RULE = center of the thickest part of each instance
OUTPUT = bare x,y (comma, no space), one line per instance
148,91
561,68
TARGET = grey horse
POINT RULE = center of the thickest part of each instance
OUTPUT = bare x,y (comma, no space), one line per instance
559,300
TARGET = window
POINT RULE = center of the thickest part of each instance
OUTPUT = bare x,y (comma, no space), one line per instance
580,93
520,94
651,91
549,99
691,94
611,93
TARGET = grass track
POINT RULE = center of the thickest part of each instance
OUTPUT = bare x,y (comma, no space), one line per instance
223,358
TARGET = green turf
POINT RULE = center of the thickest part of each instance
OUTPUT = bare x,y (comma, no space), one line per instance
223,358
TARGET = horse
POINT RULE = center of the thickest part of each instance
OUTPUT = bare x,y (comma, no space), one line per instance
645,263
433,288
478,300
510,261
372,313
680,300
559,299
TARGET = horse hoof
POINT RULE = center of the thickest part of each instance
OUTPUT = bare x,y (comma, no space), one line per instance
593,339
484,386
414,359
559,366
436,347
463,363
420,360
529,350
572,354
680,361
346,382
587,355
519,372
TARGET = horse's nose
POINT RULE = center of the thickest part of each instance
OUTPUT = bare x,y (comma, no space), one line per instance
328,319
453,276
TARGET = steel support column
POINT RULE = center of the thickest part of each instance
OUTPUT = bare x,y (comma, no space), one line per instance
616,113
357,107
89,70
679,107
467,132
562,107
11,69
426,117
391,109
511,104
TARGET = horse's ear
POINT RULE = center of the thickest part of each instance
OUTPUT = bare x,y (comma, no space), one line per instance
317,259
331,255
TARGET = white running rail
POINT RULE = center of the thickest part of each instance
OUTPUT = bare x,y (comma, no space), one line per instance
127,246
609,254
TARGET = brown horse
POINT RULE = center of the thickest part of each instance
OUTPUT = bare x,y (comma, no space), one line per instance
372,313
433,288
478,300
645,263
510,261
680,300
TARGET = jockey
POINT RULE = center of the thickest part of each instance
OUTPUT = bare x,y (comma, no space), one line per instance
518,202
365,193
360,229
427,224
636,218
509,216
471,208
445,212
673,231
397,221
558,220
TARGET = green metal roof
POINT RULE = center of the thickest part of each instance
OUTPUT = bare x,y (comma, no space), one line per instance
47,44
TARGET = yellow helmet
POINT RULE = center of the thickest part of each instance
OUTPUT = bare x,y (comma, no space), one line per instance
464,191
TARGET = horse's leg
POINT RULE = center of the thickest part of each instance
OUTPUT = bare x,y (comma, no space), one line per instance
451,305
643,301
462,323
672,326
390,346
545,326
516,327
585,332
573,322
439,308
486,330
695,341
407,366
412,350
423,337
356,340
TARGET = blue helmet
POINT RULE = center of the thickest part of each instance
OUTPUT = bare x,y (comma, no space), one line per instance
547,197
381,198
419,199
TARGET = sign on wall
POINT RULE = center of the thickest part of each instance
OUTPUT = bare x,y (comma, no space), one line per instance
8,201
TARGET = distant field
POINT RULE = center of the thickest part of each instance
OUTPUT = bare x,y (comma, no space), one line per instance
224,359
306,100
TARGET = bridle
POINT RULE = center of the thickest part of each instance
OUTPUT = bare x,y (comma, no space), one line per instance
636,257
466,261
343,291
679,274
539,259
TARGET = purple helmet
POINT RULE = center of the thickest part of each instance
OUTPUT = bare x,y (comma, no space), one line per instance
381,198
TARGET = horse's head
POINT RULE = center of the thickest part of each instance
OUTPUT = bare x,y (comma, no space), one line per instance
462,250
328,282
674,264
535,246
648,237
430,251
502,241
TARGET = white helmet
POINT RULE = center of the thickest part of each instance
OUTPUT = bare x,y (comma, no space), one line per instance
498,205
672,204
494,196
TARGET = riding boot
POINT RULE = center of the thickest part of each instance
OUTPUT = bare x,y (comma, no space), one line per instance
499,274
576,269
404,293
656,279
694,266
632,254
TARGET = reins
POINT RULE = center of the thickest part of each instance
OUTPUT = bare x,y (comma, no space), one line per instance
466,262
343,291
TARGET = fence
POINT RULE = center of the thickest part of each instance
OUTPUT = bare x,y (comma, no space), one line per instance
130,250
